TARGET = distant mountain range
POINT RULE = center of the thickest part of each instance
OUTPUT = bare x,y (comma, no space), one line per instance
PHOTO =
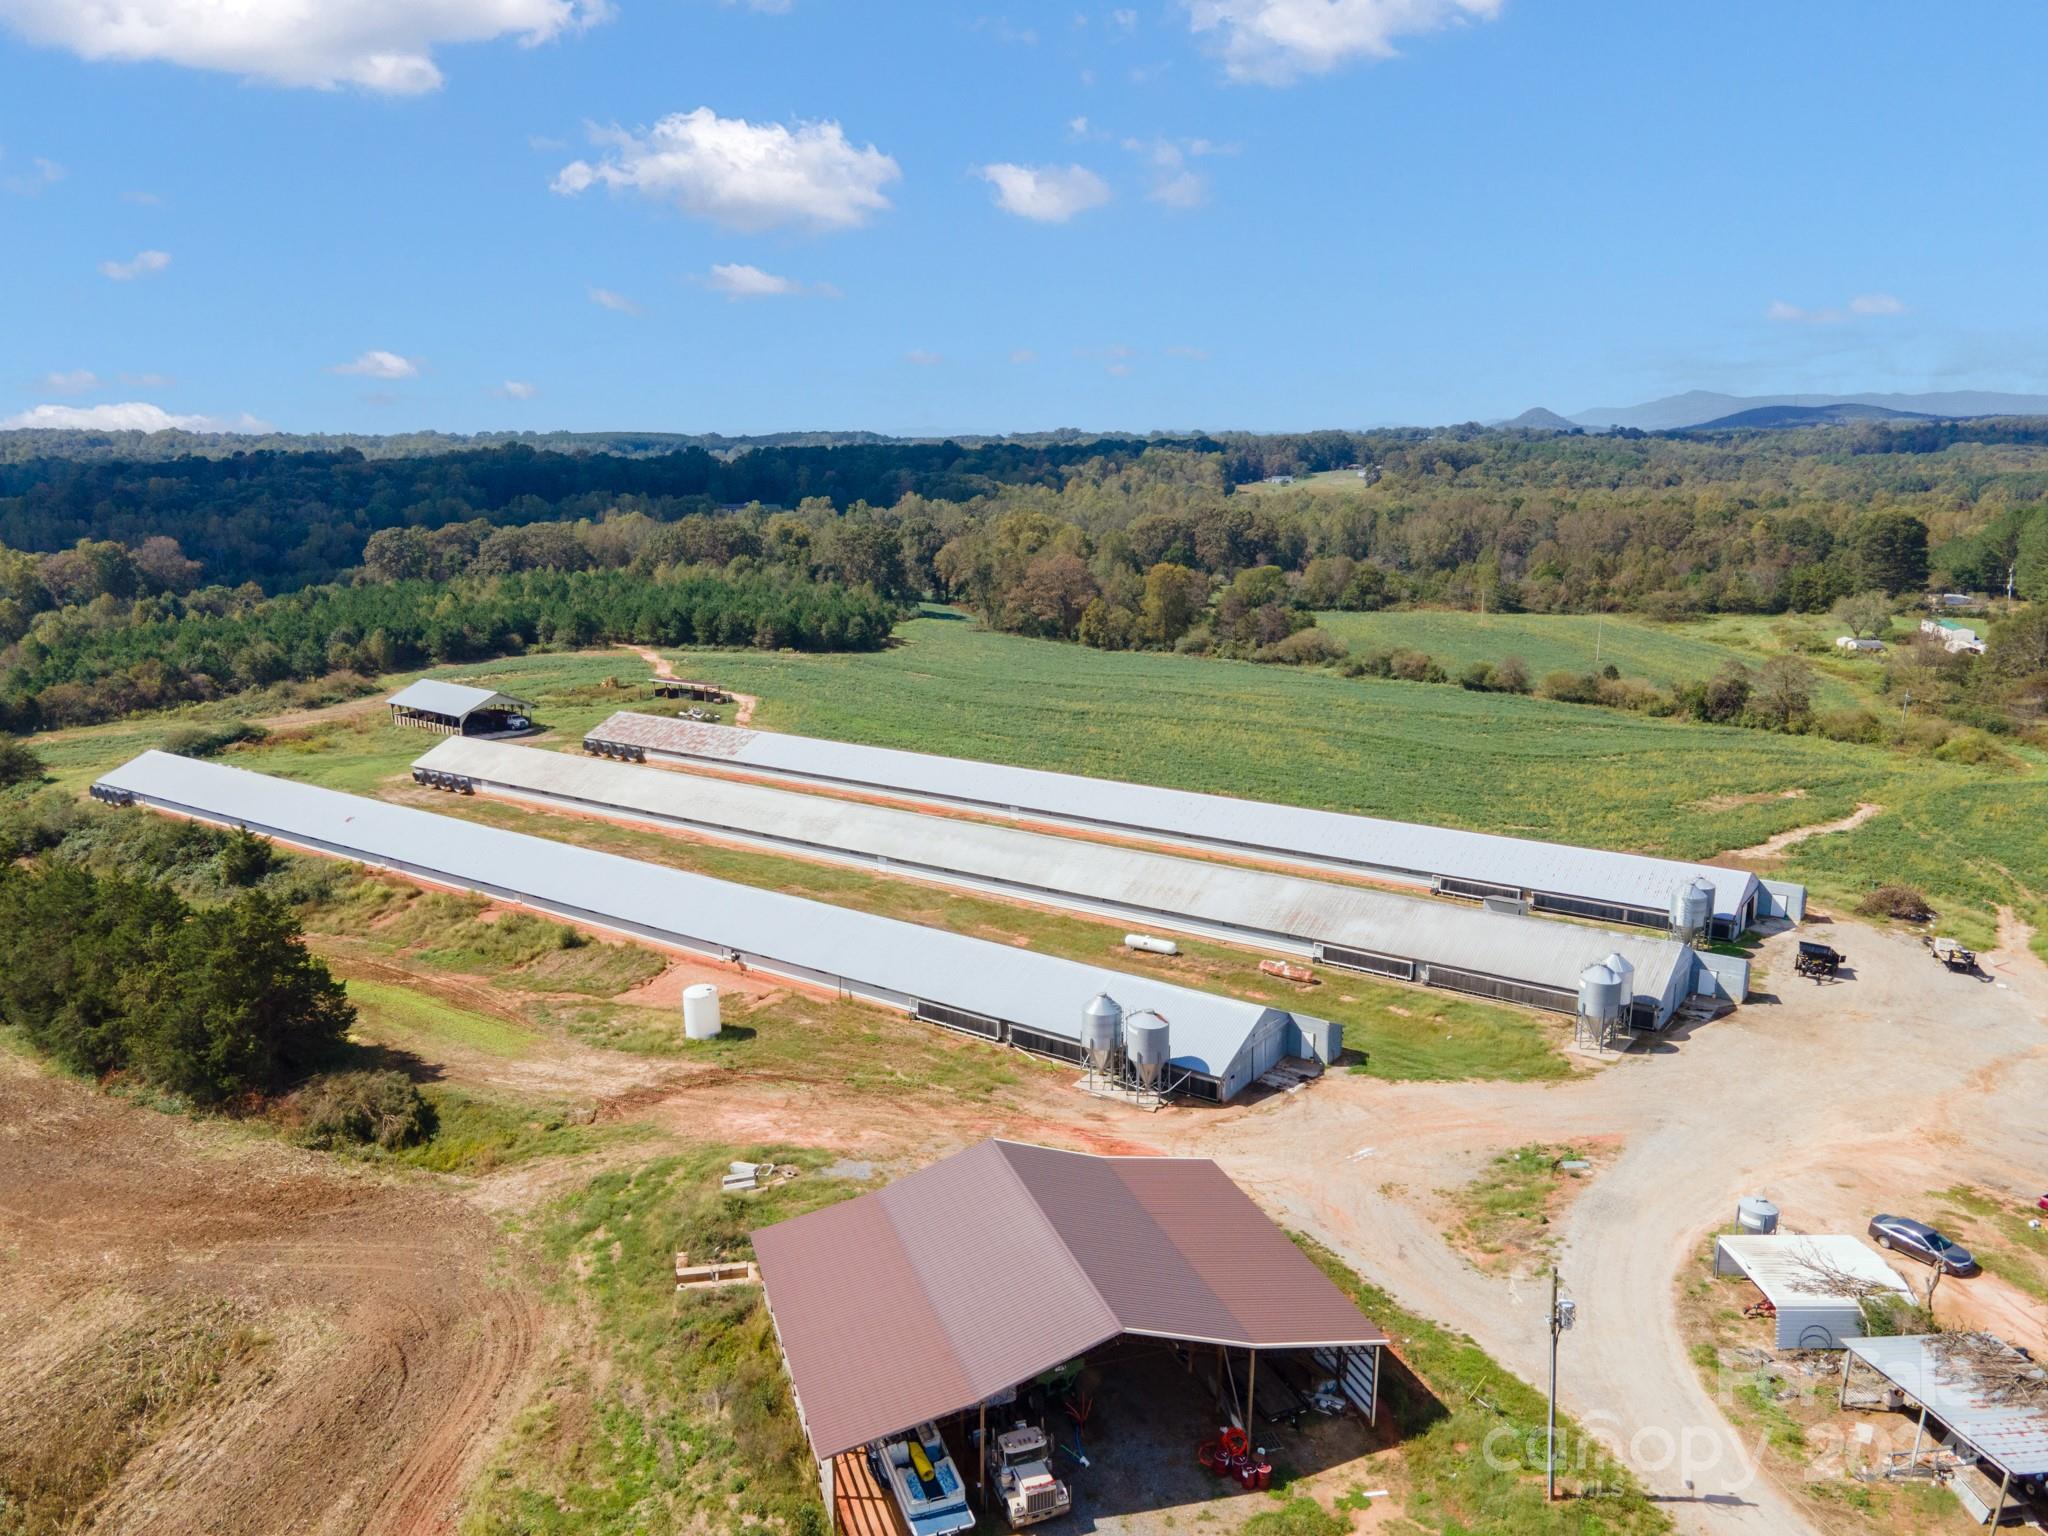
1706,408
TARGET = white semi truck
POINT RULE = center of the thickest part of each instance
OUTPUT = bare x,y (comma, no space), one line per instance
1020,1465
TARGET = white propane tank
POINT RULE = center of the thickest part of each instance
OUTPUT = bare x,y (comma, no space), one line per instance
700,1011
1150,945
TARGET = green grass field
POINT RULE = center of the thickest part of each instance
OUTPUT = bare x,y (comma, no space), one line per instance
1664,654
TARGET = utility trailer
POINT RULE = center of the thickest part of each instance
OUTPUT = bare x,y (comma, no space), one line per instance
1820,961
1953,955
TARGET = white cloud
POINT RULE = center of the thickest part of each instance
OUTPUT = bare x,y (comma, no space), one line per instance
1051,194
1189,354
738,280
1276,41
142,199
147,380
129,416
765,7
1175,182
1023,355
141,264
1863,307
379,45
922,358
516,389
40,174
604,298
379,364
749,176
76,381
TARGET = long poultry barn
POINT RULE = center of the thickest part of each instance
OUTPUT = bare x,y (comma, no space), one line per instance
1638,890
1408,938
1213,1047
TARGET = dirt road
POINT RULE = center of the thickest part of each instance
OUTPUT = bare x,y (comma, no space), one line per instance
1833,1101
744,704
370,1338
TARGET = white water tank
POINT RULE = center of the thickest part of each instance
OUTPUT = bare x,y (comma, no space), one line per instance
1102,1023
1692,908
1145,1044
1150,945
1599,994
700,1011
1753,1213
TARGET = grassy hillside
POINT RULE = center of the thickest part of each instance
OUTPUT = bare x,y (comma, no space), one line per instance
1572,642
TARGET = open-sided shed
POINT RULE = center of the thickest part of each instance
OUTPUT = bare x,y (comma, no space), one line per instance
956,1283
433,705
1817,1283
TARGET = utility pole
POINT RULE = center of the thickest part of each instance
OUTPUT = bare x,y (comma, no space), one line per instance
1563,1312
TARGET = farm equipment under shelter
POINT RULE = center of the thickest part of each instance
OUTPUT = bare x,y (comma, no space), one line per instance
1820,961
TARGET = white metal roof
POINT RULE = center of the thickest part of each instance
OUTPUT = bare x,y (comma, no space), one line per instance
444,698
1040,992
2013,1434
1819,1269
1393,847
1158,885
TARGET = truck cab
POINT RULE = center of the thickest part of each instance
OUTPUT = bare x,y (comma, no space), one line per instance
1020,1464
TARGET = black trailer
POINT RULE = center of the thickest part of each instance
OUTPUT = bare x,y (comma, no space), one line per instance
1820,961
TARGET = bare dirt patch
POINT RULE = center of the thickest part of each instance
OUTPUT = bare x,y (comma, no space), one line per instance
1775,846
375,1333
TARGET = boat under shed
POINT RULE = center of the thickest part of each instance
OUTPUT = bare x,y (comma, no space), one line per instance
936,1297
1633,889
1404,937
1216,1046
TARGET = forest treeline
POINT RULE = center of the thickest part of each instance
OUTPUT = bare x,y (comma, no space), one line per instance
104,659
129,585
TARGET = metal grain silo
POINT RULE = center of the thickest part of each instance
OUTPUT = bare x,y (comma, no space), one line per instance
1625,973
1692,908
1145,1046
1102,1023
1599,994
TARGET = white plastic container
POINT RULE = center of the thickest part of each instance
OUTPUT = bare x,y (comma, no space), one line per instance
700,1012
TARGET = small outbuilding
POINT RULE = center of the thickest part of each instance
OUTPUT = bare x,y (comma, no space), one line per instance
1816,1283
456,709
1861,645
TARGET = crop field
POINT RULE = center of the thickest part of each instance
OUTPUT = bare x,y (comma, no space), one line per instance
1664,654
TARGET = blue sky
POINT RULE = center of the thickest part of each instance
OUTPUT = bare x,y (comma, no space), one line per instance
689,215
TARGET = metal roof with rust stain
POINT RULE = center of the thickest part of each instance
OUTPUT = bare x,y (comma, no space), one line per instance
2006,1427
1397,849
990,1266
